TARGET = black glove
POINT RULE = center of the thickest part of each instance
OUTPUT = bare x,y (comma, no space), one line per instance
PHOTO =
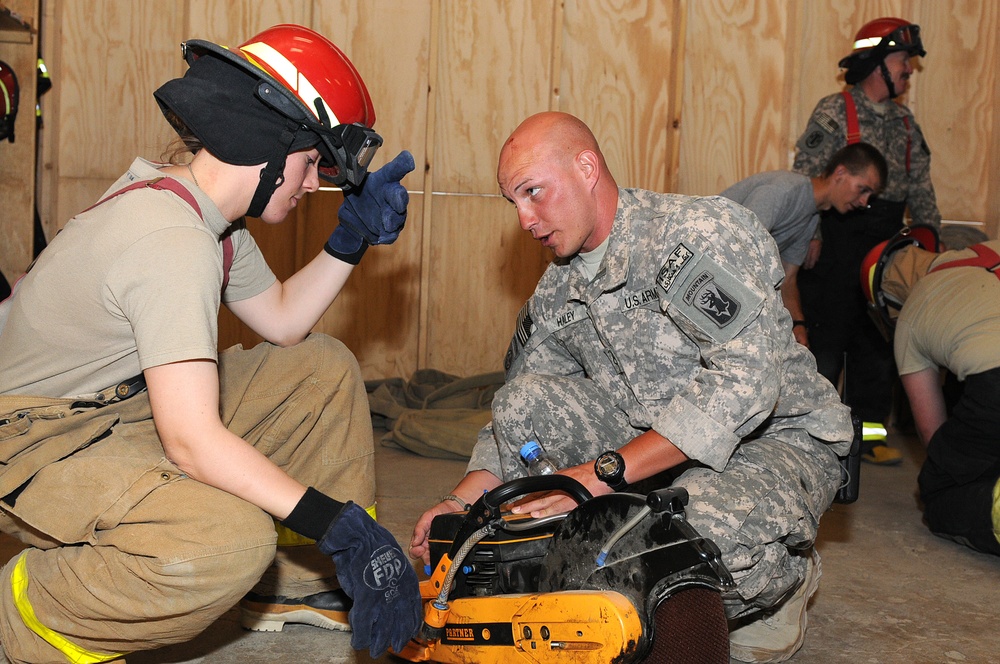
376,574
374,213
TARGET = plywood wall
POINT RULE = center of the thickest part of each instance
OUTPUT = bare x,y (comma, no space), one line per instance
684,95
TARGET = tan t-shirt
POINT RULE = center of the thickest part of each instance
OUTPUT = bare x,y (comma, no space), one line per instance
131,284
951,319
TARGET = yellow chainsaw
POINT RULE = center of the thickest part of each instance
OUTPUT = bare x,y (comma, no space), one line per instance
621,578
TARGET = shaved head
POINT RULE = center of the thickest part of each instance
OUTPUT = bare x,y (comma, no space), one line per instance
552,169
549,135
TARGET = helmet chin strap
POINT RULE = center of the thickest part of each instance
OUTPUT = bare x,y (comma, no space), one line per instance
273,174
888,80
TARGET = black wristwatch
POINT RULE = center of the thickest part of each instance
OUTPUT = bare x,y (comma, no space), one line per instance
610,469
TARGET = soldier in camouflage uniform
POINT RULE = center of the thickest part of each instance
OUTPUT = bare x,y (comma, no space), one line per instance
879,69
659,332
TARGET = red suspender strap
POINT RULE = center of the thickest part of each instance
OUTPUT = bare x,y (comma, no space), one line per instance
985,258
185,195
227,259
159,184
853,129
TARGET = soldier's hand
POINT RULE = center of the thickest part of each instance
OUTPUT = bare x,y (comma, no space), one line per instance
557,502
801,335
419,547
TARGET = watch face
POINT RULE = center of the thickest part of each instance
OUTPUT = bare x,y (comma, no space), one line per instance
609,465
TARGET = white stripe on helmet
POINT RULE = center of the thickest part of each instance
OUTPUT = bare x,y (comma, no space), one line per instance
290,73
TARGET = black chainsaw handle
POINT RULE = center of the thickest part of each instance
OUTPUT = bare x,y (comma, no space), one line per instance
525,485
485,512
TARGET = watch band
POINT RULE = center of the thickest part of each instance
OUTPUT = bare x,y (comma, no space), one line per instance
616,481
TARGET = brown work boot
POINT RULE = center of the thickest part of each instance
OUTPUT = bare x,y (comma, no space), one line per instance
777,634
328,610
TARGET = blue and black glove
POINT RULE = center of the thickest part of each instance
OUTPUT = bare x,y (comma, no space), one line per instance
373,213
376,574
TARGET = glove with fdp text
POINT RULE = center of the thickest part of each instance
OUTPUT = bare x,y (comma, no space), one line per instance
373,213
378,577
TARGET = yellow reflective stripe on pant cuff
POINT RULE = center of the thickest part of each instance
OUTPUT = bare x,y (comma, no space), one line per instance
74,653
873,431
287,537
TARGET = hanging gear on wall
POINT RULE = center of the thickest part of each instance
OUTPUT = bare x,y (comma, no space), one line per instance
9,94
43,85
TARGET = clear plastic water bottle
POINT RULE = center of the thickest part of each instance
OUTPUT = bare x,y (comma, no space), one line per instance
538,461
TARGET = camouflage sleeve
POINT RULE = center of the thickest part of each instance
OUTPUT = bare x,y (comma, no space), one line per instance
723,299
825,134
531,350
920,198
485,454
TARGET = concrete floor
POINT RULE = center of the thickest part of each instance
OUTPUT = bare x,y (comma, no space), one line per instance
891,592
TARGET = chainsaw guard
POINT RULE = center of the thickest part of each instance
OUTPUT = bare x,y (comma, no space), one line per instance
657,560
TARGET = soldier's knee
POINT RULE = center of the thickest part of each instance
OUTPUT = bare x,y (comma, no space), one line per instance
517,394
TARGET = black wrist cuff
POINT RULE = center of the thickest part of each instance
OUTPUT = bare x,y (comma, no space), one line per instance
352,258
796,323
313,514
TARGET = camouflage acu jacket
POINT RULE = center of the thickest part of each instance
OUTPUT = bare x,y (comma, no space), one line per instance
891,128
684,328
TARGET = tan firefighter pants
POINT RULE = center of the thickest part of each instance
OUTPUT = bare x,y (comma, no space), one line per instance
124,552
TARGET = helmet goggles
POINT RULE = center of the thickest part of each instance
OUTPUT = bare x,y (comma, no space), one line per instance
346,150
904,38
351,149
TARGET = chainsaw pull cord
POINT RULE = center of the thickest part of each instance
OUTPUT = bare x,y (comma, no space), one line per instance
618,534
441,602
